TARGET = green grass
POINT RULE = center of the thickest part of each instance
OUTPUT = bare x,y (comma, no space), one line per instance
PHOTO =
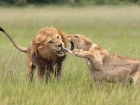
116,28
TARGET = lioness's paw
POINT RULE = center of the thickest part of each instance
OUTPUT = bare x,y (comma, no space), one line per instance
78,52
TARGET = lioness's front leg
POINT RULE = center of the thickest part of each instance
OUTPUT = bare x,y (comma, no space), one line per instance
83,54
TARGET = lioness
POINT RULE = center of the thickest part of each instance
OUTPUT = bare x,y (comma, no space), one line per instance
102,65
45,52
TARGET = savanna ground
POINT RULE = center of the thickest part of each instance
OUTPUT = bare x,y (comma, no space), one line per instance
116,28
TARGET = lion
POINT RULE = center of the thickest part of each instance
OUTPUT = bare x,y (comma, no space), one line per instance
45,53
102,65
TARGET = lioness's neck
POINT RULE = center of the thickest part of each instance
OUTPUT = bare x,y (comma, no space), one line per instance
88,47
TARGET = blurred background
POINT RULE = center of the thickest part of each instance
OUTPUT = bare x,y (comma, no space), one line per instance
21,2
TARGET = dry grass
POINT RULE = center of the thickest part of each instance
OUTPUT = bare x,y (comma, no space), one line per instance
115,28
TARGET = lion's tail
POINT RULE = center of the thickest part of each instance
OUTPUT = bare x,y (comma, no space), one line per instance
22,49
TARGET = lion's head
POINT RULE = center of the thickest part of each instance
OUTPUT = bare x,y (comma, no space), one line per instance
79,41
49,43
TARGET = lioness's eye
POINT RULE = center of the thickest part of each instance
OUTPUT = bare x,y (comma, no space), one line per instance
50,41
76,36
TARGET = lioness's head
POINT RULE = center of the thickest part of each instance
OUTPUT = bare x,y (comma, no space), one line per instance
50,41
79,41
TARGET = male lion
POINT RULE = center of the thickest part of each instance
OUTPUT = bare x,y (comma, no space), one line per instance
45,52
102,65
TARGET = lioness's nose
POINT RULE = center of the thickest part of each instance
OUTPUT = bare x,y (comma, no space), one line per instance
60,45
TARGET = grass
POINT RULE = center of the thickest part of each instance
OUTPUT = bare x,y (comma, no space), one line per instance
116,28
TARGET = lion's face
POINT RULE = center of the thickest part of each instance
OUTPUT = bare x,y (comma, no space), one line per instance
79,41
51,41
55,44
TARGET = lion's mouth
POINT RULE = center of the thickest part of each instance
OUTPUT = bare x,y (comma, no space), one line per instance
68,50
63,49
60,52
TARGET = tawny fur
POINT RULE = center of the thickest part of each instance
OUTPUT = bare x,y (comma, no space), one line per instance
104,66
42,53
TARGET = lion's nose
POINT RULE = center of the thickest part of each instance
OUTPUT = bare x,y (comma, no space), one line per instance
60,45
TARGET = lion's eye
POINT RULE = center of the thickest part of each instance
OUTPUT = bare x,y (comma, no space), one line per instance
50,41
57,37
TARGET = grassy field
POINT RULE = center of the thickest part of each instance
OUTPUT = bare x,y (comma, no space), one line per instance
116,28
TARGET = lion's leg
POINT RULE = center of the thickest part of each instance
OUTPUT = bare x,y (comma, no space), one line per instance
47,75
30,70
30,73
40,73
58,72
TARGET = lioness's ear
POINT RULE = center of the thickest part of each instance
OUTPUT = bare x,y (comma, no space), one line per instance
87,41
68,37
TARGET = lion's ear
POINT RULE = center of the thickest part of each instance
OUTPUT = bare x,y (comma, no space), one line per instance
64,37
39,39
87,41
